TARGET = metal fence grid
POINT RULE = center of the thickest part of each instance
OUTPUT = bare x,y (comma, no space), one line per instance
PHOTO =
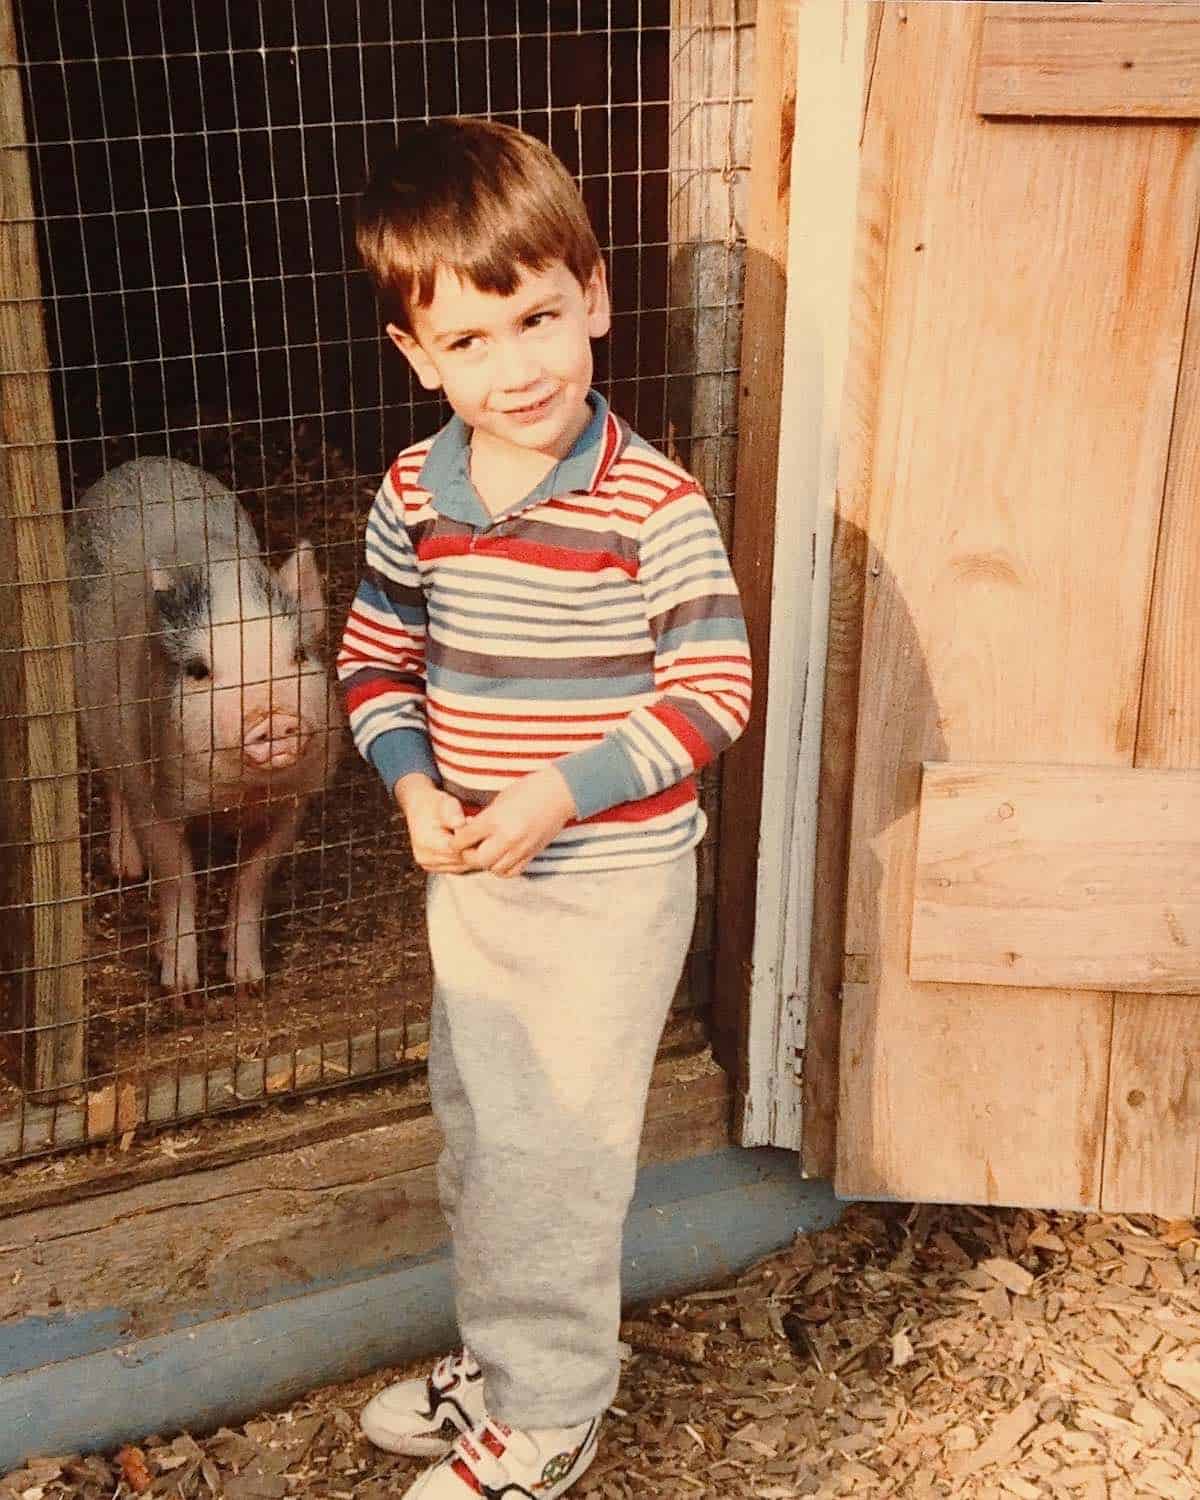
191,172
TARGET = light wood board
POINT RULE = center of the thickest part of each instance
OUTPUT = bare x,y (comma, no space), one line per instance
1072,877
1124,61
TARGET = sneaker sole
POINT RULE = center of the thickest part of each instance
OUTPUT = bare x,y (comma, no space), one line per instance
583,1464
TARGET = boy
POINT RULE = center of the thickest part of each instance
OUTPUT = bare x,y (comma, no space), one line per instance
546,645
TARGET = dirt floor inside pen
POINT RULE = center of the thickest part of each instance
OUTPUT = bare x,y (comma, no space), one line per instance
906,1351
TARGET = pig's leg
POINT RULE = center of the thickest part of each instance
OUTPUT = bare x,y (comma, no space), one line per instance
243,930
123,849
174,883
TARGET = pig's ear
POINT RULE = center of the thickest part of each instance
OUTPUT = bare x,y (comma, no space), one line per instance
299,576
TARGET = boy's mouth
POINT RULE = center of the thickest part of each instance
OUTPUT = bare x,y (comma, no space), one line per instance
533,412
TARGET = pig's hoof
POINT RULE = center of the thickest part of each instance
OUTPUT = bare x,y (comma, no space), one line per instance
246,975
243,953
180,966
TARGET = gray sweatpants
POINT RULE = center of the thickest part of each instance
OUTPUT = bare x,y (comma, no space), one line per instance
550,995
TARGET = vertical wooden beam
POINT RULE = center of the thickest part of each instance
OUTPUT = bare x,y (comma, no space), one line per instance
41,927
754,515
848,571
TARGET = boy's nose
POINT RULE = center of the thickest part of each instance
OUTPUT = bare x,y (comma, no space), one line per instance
518,370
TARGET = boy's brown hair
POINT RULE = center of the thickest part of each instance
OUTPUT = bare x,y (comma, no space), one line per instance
476,197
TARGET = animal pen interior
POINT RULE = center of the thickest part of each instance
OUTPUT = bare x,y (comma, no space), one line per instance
179,280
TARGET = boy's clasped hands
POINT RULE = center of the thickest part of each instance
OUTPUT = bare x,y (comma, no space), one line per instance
501,839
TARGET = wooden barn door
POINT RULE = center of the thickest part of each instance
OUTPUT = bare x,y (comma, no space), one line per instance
1021,997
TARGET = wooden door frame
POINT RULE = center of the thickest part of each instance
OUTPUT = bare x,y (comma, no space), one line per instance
812,76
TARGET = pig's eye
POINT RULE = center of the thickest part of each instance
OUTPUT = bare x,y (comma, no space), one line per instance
196,668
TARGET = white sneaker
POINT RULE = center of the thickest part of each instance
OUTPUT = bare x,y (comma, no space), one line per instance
422,1417
495,1461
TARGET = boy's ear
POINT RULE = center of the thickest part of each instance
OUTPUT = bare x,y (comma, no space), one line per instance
423,367
596,301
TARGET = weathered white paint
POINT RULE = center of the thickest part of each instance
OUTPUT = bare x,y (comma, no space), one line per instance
831,52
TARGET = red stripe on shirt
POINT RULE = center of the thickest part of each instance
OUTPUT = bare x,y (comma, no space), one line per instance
399,633
538,554
406,660
404,471
486,763
363,692
684,731
641,811
666,475
646,808
680,676
591,510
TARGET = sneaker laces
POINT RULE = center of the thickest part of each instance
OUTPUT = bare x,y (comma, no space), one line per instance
448,1369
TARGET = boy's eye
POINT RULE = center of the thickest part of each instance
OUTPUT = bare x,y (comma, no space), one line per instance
536,318
196,668
460,344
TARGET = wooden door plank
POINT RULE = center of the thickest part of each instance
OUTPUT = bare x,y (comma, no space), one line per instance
1152,1138
1035,291
1071,877
1121,61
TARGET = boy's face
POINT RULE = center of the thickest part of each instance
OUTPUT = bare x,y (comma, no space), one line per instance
517,367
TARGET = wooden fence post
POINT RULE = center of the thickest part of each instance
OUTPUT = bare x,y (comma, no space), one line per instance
41,914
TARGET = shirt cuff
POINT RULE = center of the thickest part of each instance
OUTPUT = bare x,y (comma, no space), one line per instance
398,752
600,777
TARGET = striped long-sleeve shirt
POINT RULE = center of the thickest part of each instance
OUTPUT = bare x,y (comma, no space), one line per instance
594,626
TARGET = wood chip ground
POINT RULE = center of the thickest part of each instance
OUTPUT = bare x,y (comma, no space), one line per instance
907,1351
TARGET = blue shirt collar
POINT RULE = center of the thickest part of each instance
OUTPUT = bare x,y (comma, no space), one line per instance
446,472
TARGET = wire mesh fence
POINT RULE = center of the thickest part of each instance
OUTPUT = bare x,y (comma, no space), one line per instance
180,284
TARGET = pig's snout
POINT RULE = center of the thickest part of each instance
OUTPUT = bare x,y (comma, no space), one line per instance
274,739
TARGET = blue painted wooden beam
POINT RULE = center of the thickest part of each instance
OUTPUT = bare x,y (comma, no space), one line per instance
77,1388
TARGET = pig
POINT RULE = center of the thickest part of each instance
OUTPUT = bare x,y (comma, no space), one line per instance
201,693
